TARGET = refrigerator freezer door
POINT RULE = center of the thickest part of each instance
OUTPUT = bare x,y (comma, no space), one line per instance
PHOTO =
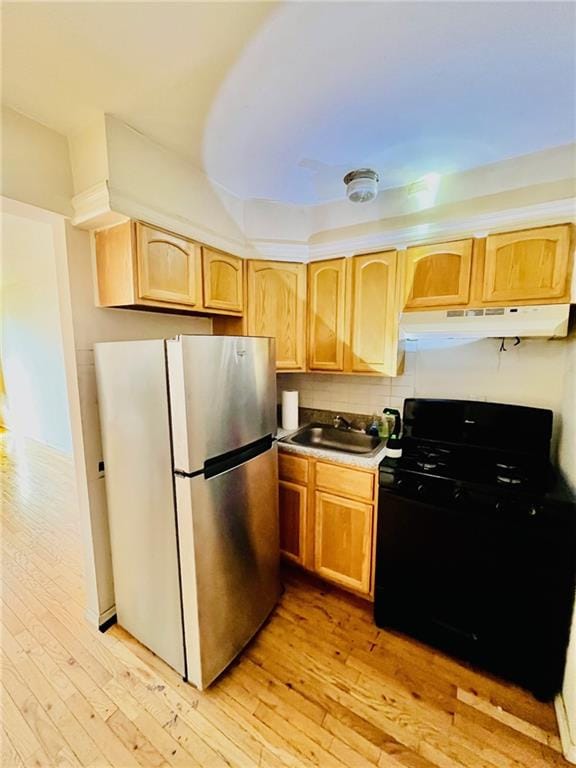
229,555
222,395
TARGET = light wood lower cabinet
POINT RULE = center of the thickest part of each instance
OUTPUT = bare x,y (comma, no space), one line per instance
343,540
293,506
327,513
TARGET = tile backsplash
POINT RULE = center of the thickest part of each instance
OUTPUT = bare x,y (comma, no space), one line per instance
531,373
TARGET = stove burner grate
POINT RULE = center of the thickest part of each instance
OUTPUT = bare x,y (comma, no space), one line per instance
431,458
509,474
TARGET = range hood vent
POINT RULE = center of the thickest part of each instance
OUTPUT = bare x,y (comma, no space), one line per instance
547,321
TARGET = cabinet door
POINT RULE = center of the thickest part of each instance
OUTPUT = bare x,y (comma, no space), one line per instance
277,307
222,279
168,267
533,264
326,315
374,337
438,275
293,500
343,540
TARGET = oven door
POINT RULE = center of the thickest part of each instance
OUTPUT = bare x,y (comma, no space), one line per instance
434,573
478,580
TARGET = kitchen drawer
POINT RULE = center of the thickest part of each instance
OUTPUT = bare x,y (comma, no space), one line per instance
293,468
345,481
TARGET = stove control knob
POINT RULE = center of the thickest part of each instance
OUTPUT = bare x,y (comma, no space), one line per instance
533,511
458,494
421,488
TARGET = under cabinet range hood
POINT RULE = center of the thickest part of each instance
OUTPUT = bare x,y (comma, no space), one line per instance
548,321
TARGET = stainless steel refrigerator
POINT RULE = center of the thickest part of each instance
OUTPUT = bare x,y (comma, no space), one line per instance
191,484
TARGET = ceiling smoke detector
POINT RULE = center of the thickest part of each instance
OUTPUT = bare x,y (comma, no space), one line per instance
361,185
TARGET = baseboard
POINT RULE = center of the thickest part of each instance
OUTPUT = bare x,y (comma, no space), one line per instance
98,620
108,623
568,746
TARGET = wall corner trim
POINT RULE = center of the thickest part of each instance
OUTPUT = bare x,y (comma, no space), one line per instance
568,746
92,208
97,620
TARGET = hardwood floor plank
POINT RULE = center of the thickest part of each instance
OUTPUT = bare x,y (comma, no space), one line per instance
497,713
9,757
511,745
134,740
62,718
15,725
52,744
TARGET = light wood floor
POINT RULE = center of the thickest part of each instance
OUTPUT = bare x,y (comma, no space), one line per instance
319,686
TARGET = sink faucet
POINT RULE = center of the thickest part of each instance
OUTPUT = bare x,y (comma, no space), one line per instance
341,423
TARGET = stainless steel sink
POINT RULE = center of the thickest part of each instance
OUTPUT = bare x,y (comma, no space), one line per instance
332,439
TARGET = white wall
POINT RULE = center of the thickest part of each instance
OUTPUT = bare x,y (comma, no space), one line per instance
35,164
31,344
567,454
92,324
529,374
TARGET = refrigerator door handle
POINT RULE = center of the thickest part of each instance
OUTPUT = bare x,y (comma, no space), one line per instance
228,461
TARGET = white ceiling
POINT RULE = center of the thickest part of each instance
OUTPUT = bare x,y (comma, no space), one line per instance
279,100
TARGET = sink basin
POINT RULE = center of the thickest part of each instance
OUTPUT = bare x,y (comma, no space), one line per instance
331,439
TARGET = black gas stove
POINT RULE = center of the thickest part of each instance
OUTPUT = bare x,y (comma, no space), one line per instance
476,546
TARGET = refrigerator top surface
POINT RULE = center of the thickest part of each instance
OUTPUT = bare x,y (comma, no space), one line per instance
222,395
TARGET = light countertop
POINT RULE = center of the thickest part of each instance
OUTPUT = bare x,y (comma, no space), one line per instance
339,457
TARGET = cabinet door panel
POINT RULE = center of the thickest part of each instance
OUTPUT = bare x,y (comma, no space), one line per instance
168,267
374,338
277,307
326,315
343,540
223,284
293,500
533,264
438,275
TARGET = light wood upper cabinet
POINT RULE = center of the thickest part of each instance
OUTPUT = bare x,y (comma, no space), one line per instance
438,275
144,267
277,307
169,267
293,500
327,332
223,280
374,331
533,264
343,540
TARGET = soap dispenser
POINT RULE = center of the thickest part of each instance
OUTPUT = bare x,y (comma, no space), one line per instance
394,442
